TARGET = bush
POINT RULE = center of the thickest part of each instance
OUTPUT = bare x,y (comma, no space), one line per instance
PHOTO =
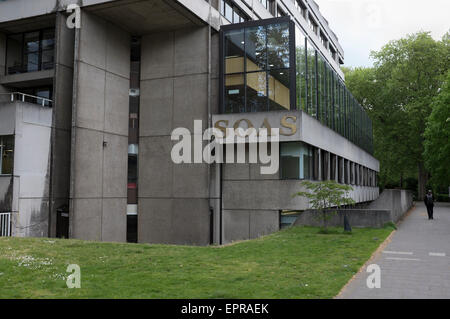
443,198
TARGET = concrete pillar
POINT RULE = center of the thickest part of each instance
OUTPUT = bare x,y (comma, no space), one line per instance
100,131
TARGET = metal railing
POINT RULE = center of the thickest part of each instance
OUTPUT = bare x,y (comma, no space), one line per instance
5,224
23,97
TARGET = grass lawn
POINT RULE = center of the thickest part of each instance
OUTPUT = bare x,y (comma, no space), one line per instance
293,263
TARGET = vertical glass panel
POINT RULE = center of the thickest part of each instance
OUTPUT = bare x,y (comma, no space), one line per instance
257,92
234,51
228,12
256,48
278,46
279,96
312,88
48,39
300,56
235,17
234,94
31,41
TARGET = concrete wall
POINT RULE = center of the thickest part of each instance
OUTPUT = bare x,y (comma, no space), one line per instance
100,131
376,218
398,201
173,199
62,119
255,200
2,61
32,169
390,206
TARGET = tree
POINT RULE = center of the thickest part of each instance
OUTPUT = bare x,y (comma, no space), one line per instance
324,195
437,138
397,93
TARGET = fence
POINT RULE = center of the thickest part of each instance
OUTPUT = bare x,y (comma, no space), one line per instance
5,224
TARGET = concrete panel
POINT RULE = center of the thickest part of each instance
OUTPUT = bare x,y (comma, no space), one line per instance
155,220
114,219
264,223
88,164
255,173
157,59
93,39
91,97
115,163
7,118
2,54
118,46
156,109
116,104
190,180
236,225
155,167
190,222
263,195
191,51
236,171
86,221
65,39
190,101
63,97
32,220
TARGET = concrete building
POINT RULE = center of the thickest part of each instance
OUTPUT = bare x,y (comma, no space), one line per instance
86,117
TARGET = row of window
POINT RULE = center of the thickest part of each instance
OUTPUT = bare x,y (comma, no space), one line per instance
260,76
321,93
301,161
6,155
231,12
30,51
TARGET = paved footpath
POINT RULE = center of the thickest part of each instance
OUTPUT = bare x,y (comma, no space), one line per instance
415,263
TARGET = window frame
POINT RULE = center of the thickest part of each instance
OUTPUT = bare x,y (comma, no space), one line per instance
39,51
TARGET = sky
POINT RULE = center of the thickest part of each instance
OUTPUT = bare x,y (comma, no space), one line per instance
366,25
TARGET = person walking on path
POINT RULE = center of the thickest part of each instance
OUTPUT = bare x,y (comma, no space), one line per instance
429,203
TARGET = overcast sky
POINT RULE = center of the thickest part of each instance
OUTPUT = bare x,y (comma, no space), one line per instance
365,25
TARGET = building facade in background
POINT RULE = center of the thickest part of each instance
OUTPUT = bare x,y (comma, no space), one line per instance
86,117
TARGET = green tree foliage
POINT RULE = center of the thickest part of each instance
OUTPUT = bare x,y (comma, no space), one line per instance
437,138
324,195
398,93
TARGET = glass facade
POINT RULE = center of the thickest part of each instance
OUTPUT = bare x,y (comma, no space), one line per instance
257,64
270,65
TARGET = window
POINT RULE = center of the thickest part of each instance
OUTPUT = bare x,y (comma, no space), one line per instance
300,6
7,155
257,77
296,160
313,25
324,40
231,12
257,68
280,12
269,5
30,51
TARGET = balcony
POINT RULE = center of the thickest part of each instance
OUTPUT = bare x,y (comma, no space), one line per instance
28,98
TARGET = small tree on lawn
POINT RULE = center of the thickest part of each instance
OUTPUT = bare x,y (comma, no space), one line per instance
324,195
